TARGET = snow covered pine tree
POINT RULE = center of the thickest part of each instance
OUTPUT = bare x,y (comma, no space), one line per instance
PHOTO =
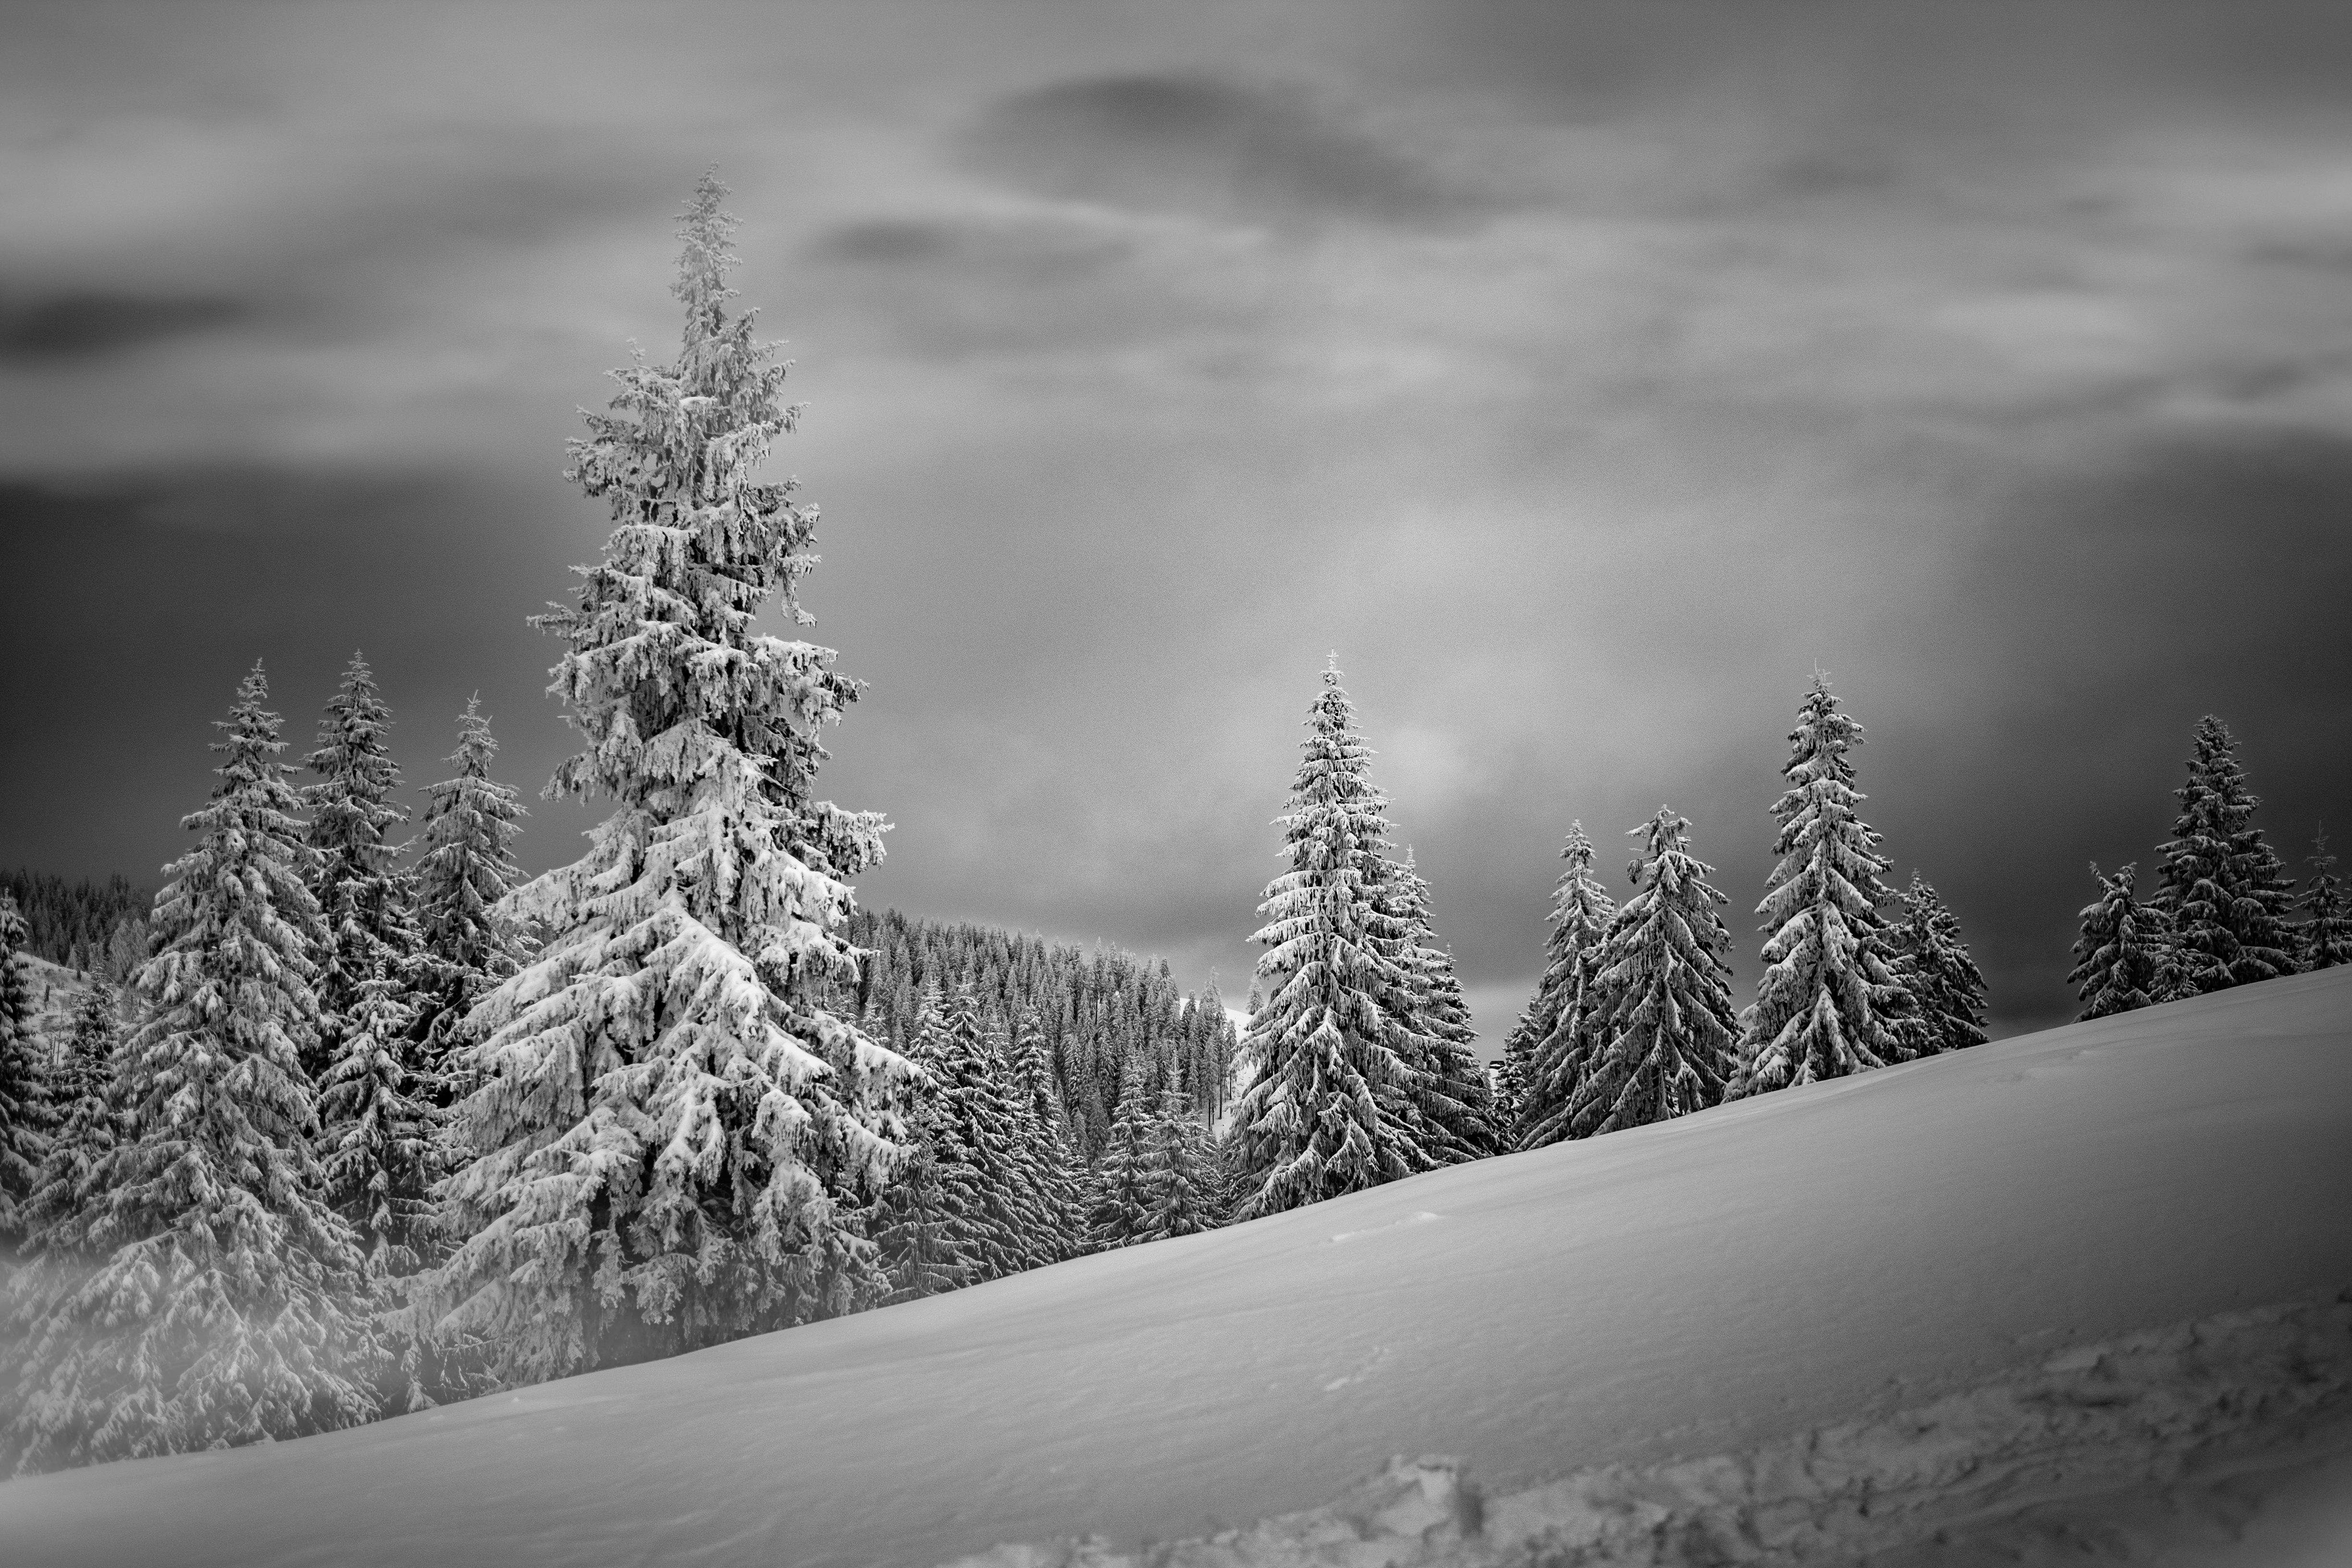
2124,959
1932,964
362,895
672,1143
24,1107
465,868
1828,998
1455,1106
2223,890
2324,938
211,1297
1555,1034
1659,1003
1331,1039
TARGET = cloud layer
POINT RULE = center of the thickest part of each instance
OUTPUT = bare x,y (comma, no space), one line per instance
1585,377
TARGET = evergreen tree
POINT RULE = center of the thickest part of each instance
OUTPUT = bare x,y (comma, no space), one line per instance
2324,938
24,1107
1453,1111
1120,1190
999,1210
211,1297
1659,1001
362,895
2123,955
920,1226
1947,989
1330,1051
83,1089
465,870
673,1140
1826,1004
1558,1036
380,1152
1043,1154
1180,1184
2223,890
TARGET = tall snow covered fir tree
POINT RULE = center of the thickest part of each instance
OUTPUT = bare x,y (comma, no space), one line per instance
672,1143
465,868
2123,959
24,1109
2324,938
1553,1036
1829,999
1932,964
2223,890
209,1296
1330,1044
363,895
1658,1006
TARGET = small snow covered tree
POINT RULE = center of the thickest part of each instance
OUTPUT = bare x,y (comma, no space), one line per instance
1659,1002
380,1148
1330,1051
920,1221
25,1102
81,1089
464,868
362,895
1453,1111
1826,1004
211,1297
1119,1190
1043,1153
2223,890
1180,1182
673,1142
2122,957
1947,989
977,1145
1555,1027
2324,938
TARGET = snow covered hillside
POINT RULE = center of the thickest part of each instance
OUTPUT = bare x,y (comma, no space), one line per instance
1880,1283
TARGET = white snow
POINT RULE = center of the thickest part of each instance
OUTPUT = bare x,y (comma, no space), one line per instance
1688,1305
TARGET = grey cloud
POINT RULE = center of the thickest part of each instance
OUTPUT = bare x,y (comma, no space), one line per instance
64,327
1213,149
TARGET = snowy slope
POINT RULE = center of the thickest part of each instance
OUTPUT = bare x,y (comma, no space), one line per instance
1716,1285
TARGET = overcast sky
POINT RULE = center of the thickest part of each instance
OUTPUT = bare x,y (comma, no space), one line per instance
1584,375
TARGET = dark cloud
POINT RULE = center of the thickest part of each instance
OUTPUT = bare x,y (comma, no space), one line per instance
135,605
65,327
2101,614
1213,149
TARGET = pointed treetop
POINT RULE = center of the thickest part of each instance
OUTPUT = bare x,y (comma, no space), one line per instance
703,267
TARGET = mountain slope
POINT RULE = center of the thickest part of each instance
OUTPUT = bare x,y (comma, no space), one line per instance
1694,1287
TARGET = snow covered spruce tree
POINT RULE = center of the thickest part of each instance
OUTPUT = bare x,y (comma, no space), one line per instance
1180,1182
921,1219
1829,999
1330,1050
24,1107
1556,1036
671,1143
997,1200
361,894
2324,938
2123,958
1040,1134
1659,1002
1454,1106
2223,890
209,1296
465,868
1119,1189
81,1089
1932,964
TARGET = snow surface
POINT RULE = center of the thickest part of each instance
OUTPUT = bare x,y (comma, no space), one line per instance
1737,1282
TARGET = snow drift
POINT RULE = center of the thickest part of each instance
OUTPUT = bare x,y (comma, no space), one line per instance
1957,1274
